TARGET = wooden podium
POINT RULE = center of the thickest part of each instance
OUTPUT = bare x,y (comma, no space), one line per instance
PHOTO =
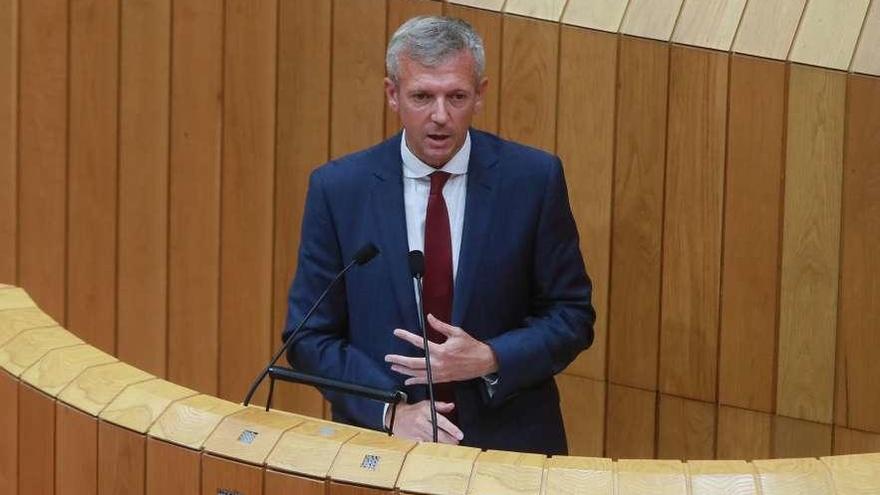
76,420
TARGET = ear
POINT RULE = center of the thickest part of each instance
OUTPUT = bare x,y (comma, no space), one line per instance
392,94
481,91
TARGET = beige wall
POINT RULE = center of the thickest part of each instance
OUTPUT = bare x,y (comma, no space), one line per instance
154,156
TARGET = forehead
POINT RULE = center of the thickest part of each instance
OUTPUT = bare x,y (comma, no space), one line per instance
455,72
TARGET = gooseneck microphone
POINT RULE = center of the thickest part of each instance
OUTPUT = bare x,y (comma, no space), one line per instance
417,269
363,256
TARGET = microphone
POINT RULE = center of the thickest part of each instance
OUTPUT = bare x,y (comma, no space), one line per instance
417,269
363,256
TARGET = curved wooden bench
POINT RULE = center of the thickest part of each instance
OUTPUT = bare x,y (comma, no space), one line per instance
77,420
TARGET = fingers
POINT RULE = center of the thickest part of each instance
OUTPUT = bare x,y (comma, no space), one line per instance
450,429
442,327
415,363
409,337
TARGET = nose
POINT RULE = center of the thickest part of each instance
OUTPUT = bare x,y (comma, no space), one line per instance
440,114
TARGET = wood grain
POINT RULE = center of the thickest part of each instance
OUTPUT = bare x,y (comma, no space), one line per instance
76,451
743,434
529,58
847,441
686,429
798,438
828,33
653,19
268,427
121,460
144,92
810,244
61,366
604,15
36,442
507,473
709,24
695,161
277,483
569,475
488,25
225,476
637,220
92,171
854,474
495,5
30,346
867,57
752,226
94,388
301,144
767,29
15,321
357,118
583,411
390,450
802,476
548,10
9,431
858,369
42,153
189,422
246,334
194,193
310,448
138,406
637,477
585,143
334,488
15,298
722,477
9,141
630,423
172,469
437,468
399,11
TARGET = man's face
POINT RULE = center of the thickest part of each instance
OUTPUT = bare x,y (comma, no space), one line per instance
436,105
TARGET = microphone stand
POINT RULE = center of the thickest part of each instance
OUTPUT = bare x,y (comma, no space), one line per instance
417,267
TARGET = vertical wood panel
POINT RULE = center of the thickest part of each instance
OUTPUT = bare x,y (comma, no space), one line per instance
36,442
686,429
810,246
488,24
247,194
302,143
585,143
867,57
583,411
76,452
767,28
709,24
8,139
634,301
225,476
42,148
630,423
828,33
858,369
549,10
752,215
121,460
692,225
172,469
796,438
743,434
399,11
92,171
194,195
595,14
9,431
282,483
848,441
529,61
357,117
651,18
145,37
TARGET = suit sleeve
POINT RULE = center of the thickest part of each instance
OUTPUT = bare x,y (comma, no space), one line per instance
561,317
321,347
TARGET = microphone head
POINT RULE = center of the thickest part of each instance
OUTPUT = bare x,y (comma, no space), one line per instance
366,253
417,263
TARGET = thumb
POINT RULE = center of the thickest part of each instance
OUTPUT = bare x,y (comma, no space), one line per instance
445,406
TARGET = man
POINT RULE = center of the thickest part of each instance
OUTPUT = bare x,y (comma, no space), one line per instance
506,294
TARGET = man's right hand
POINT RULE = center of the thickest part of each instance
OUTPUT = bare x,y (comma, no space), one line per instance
413,421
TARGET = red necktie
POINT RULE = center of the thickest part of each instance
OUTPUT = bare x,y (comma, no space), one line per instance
437,286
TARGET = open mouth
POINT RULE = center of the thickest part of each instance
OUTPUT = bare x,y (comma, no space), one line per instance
438,138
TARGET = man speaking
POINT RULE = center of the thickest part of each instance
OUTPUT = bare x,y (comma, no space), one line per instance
506,294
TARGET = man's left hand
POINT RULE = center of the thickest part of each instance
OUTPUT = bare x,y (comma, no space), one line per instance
461,357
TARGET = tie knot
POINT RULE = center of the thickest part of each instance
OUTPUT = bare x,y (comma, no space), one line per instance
438,180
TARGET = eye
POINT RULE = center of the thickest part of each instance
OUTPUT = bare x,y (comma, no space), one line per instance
420,97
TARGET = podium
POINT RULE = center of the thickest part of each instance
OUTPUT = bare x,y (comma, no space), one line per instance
76,420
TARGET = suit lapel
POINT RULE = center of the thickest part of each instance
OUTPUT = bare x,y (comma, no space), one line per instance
388,208
479,207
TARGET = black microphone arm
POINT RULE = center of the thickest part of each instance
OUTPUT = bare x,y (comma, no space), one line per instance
362,256
417,268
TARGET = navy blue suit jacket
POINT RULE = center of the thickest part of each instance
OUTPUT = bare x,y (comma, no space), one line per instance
521,287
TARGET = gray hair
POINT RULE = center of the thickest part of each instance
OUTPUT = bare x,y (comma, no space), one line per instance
430,40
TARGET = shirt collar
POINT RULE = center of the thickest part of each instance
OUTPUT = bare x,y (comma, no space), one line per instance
414,168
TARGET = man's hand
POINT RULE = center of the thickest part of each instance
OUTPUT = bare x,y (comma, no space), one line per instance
460,358
413,421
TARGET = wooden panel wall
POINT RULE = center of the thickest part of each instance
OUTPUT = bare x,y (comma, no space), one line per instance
154,156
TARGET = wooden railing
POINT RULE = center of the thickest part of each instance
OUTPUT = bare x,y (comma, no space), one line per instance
77,420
